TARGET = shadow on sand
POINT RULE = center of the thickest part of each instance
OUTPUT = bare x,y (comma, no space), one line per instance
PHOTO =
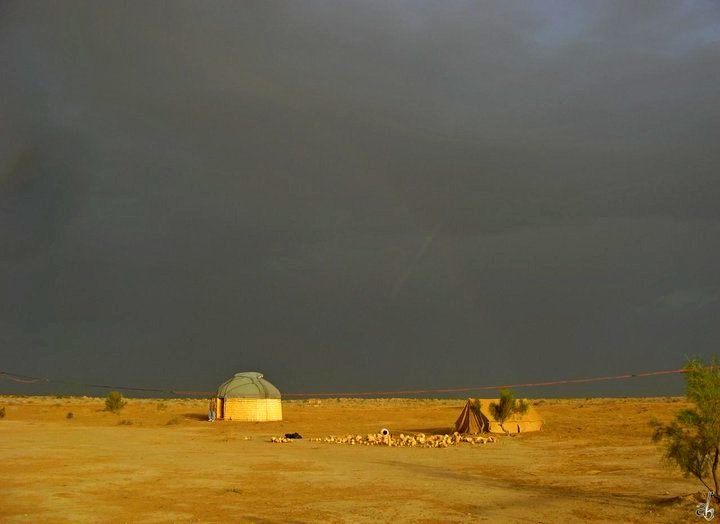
195,416
429,431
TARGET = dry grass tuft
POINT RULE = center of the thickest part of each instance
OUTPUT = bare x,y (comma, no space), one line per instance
114,402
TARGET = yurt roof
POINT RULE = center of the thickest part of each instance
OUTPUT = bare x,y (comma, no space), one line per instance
249,384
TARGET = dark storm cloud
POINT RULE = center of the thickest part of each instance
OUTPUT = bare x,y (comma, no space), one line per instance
358,195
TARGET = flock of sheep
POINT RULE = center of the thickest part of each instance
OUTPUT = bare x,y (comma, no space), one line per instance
420,440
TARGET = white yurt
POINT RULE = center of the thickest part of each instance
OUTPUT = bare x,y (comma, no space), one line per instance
248,396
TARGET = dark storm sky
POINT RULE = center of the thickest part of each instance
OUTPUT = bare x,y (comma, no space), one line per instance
358,195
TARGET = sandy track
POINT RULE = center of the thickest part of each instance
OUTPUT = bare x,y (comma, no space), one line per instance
593,462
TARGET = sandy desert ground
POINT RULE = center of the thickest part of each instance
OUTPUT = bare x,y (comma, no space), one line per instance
161,461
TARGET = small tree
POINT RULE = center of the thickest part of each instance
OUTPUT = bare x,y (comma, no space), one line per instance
506,406
692,440
476,407
114,402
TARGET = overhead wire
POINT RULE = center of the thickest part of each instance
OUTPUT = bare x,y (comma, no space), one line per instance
26,379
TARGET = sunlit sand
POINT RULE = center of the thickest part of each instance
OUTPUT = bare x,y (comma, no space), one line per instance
162,461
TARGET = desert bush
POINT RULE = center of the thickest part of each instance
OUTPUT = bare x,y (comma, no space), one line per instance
114,402
161,406
125,422
2,412
69,415
507,405
692,441
173,421
475,406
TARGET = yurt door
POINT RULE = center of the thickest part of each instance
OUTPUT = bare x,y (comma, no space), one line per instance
221,408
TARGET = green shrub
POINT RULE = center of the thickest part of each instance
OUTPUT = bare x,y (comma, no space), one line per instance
692,440
114,402
475,406
507,406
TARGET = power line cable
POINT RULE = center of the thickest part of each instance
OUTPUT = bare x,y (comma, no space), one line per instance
26,379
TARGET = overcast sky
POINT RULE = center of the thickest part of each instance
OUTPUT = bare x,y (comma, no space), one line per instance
359,195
